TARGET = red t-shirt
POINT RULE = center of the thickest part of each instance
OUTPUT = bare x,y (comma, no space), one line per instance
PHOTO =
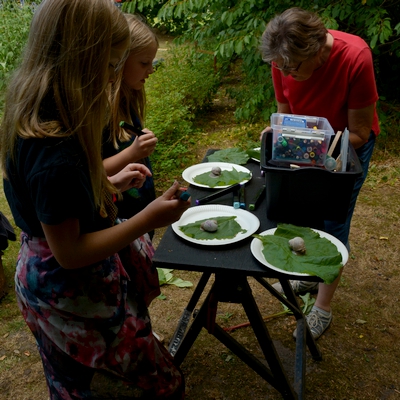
345,81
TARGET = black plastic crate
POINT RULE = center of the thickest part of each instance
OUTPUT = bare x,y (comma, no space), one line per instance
307,195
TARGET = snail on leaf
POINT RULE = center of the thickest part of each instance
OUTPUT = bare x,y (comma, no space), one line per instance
210,225
215,172
297,245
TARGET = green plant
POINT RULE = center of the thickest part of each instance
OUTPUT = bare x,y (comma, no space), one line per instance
231,30
14,27
308,303
166,277
226,316
179,91
151,9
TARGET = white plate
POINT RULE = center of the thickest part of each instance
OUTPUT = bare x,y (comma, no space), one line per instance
244,218
189,173
256,149
256,248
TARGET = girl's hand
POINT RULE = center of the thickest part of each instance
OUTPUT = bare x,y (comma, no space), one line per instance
167,208
141,147
74,249
133,175
144,145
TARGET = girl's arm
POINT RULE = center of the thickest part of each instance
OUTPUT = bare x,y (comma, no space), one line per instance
142,147
75,250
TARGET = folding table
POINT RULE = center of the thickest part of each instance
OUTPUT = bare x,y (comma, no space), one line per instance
232,264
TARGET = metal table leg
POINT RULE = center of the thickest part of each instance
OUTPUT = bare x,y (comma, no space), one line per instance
237,290
187,312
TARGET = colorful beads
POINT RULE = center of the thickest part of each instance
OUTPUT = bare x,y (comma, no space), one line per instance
300,149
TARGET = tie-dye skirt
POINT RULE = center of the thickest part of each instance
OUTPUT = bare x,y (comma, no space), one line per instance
87,325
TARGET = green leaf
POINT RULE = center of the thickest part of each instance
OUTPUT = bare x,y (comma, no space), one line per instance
253,153
239,47
165,277
226,178
321,259
228,228
180,282
373,41
232,155
222,49
161,276
229,19
308,303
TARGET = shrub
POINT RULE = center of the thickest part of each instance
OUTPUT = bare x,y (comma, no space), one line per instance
181,89
14,28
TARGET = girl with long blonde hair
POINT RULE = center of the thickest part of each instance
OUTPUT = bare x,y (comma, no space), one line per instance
128,103
70,282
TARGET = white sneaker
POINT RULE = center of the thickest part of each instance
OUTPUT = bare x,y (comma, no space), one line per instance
299,287
318,320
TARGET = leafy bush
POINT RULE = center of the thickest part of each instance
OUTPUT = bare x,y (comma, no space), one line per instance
14,28
151,9
233,28
182,88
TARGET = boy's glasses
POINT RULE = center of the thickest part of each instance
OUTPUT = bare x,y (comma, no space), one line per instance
288,69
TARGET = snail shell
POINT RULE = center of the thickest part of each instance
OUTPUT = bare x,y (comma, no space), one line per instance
210,225
215,172
297,245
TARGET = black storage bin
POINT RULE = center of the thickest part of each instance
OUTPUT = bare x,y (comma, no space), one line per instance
308,195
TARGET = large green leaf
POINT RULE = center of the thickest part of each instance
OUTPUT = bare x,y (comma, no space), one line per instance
228,228
165,277
253,153
232,155
226,178
321,259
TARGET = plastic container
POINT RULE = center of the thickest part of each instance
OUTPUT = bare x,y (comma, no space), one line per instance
307,196
303,140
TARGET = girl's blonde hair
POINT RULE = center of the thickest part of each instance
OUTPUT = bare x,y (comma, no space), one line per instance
123,98
65,68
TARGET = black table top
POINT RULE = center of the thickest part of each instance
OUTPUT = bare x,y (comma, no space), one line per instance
177,253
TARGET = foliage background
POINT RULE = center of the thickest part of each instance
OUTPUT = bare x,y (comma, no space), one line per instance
14,29
215,54
223,36
231,29
360,361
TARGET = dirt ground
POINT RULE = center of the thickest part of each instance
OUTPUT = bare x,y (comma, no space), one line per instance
361,356
361,352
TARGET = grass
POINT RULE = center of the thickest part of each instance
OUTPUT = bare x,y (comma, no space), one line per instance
344,350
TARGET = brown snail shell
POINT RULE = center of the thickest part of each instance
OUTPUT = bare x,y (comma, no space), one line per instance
215,172
297,245
210,225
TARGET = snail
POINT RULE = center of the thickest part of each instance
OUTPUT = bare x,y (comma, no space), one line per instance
210,225
215,172
297,245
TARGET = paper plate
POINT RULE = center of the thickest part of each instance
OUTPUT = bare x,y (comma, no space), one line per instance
256,248
191,172
244,218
